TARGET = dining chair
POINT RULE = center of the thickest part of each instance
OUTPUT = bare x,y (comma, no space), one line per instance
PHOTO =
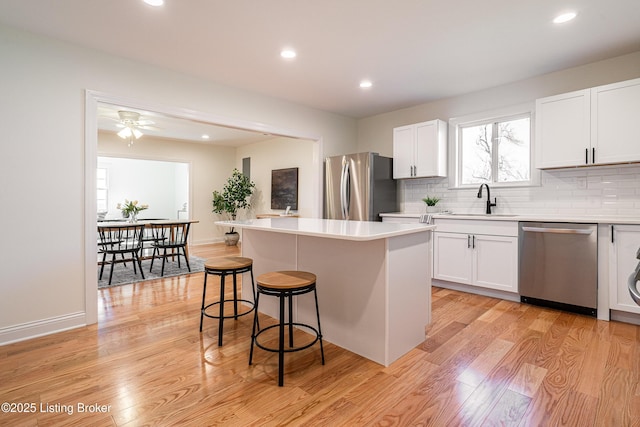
123,241
169,241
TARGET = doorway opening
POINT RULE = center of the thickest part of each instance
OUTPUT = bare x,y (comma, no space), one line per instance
92,100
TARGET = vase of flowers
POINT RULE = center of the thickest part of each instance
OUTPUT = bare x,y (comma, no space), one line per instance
130,209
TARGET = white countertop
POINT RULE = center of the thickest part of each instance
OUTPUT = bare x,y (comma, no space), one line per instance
595,219
330,228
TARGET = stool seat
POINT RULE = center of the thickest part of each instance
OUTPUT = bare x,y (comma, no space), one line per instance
228,263
284,280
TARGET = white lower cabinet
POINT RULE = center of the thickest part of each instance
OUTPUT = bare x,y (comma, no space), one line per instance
483,260
622,258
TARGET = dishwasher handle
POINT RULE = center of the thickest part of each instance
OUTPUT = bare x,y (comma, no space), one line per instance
558,230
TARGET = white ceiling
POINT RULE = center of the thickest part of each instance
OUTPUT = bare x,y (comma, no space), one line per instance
165,126
414,51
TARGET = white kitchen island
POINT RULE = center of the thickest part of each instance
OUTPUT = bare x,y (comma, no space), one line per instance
373,278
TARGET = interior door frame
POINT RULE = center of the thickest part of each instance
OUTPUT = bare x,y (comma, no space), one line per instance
92,99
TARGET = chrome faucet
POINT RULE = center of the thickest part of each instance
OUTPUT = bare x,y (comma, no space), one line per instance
489,204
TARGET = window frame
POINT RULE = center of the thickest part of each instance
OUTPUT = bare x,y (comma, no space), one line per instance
494,116
105,188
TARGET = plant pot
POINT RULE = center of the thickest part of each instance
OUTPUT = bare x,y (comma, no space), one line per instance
231,239
432,209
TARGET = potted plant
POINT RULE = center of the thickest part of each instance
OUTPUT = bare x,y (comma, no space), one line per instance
234,196
431,203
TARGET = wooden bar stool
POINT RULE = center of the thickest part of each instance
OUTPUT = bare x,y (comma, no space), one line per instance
285,284
223,267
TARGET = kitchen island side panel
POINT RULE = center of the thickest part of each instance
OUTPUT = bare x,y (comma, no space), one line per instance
409,292
270,252
351,293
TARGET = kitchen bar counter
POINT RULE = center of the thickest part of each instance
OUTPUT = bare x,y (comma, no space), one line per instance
592,219
374,279
329,228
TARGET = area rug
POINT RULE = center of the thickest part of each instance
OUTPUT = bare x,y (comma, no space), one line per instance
124,275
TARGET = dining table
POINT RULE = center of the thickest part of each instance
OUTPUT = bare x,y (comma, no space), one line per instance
110,223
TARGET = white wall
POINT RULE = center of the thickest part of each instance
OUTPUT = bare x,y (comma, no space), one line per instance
42,164
160,185
281,153
610,190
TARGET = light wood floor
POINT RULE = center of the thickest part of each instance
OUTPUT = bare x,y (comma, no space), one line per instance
484,362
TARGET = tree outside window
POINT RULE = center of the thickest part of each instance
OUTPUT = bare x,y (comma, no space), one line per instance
497,151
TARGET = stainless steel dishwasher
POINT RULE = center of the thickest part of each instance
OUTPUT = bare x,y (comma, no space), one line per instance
558,265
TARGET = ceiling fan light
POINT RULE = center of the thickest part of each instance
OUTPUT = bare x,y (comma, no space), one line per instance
125,133
136,133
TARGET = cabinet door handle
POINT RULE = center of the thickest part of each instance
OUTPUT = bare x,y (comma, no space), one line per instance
473,242
468,241
586,156
593,155
612,238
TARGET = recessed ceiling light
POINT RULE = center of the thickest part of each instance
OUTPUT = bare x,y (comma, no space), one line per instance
565,17
288,53
365,84
154,2
205,136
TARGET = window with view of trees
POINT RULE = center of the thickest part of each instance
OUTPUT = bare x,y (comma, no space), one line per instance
495,151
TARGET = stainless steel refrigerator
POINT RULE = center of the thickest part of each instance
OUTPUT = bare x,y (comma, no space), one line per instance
359,187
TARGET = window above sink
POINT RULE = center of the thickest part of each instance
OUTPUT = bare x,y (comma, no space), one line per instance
493,147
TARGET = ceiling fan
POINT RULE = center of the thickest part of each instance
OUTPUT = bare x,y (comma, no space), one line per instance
131,125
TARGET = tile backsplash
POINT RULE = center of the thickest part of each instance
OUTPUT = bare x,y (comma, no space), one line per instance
601,190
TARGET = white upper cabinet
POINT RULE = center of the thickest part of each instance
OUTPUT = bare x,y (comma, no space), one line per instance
563,130
403,151
420,150
589,127
615,122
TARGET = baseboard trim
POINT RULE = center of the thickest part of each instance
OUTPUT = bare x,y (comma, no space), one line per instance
38,328
494,293
625,317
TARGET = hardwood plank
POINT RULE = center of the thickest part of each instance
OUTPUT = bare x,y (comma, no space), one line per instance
147,359
478,370
528,379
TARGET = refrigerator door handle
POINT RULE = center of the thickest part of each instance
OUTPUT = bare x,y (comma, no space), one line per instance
347,190
344,190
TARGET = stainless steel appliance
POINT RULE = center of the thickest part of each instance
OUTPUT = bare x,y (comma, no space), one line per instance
633,282
359,187
558,265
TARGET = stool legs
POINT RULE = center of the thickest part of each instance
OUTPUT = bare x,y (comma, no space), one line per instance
221,320
221,302
283,323
281,340
253,330
290,317
235,296
315,294
204,294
